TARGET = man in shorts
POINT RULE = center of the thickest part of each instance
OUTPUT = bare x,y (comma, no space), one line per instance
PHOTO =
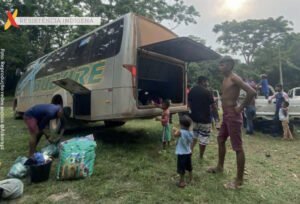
232,119
200,102
37,118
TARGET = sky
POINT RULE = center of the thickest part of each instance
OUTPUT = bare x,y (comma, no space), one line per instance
217,11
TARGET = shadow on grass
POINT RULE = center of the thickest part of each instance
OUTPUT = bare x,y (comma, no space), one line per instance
114,136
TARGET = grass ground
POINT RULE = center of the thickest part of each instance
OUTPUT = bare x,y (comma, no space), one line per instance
128,169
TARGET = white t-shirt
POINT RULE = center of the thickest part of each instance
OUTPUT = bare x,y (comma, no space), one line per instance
282,117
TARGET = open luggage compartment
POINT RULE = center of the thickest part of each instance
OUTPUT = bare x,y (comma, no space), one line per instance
159,78
161,69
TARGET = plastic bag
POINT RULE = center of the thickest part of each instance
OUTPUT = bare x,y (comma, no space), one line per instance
51,150
76,158
18,170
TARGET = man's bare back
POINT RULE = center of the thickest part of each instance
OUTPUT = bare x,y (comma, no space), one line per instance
230,91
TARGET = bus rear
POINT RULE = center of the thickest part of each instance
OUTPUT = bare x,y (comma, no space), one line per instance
160,67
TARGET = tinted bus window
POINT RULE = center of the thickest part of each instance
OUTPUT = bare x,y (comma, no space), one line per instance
107,41
101,44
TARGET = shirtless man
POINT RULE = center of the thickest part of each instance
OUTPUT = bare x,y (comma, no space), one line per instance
232,119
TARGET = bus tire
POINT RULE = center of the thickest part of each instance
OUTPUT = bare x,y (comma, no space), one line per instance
113,123
16,115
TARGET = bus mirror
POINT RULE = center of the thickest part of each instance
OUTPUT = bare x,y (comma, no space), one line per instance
19,72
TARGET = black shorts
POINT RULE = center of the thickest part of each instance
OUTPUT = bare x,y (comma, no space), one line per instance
184,162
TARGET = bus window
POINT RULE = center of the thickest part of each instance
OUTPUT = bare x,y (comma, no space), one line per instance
107,41
82,51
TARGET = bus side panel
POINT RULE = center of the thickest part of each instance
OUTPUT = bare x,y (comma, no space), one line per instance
123,98
124,102
101,93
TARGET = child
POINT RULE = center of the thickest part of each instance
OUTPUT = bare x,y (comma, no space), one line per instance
284,118
183,149
166,136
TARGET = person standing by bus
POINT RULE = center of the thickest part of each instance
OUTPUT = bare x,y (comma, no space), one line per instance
200,101
37,118
232,120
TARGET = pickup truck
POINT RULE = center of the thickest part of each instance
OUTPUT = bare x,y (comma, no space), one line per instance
265,110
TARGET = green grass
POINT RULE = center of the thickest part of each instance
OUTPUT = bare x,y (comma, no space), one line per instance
128,169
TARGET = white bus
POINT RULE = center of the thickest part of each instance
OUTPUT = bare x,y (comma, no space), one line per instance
112,73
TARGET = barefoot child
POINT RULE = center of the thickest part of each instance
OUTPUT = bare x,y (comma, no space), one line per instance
284,118
166,136
183,149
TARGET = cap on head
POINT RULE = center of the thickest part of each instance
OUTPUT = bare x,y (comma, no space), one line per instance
263,76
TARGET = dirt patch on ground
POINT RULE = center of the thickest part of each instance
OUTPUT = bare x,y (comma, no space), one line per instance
69,195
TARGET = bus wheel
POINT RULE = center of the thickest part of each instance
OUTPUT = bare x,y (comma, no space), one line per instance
113,123
16,115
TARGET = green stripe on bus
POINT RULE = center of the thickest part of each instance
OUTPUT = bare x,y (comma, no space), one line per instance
87,74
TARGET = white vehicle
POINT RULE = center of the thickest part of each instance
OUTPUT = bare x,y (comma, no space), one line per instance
266,110
294,100
112,73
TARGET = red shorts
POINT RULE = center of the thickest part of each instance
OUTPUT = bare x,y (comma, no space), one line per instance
31,125
231,126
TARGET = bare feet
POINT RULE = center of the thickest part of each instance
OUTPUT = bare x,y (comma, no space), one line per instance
214,170
233,185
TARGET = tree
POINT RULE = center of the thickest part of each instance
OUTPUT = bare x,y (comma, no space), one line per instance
205,68
197,39
266,60
28,43
247,37
158,10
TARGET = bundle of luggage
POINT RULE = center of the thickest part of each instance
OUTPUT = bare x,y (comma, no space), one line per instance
76,158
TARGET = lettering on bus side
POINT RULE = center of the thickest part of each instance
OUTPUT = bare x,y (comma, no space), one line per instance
87,74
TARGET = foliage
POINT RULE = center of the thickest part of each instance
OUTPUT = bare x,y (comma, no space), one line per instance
246,37
208,69
267,59
158,10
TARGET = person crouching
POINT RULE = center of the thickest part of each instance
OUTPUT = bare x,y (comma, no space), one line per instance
36,119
